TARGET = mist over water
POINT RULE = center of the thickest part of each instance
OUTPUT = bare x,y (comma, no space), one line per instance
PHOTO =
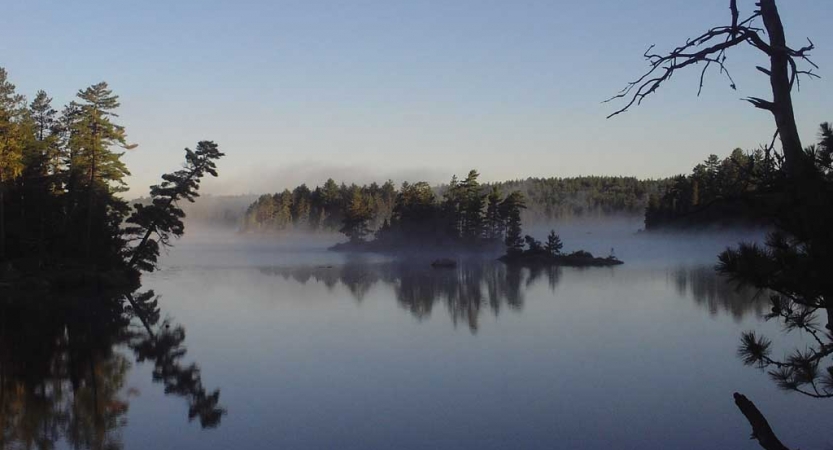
315,349
623,234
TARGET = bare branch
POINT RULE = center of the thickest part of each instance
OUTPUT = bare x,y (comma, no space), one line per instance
663,67
705,49
761,103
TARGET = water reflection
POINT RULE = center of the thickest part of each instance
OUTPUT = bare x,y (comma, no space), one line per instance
717,294
477,285
64,362
465,290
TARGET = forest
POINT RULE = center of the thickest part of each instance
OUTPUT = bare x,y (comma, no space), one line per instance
464,217
713,194
62,218
324,207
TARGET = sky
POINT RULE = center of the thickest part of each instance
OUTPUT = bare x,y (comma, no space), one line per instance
298,91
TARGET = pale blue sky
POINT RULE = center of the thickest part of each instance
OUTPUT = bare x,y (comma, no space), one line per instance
296,90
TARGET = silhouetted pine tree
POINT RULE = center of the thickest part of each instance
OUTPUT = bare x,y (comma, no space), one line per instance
356,217
510,209
554,244
163,217
794,266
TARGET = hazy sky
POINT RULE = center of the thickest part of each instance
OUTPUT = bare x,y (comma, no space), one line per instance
294,91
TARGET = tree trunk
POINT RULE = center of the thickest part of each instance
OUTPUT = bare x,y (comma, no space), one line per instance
782,105
140,314
135,258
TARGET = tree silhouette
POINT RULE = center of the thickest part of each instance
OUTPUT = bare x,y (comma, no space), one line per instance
797,196
163,217
554,244
357,216
511,212
710,49
63,368
97,170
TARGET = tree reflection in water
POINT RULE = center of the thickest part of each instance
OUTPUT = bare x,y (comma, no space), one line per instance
465,290
63,366
717,294
474,285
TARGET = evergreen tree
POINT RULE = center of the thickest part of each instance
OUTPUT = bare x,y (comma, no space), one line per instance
96,167
494,223
301,205
472,207
282,218
453,201
163,217
12,138
356,217
792,266
388,193
510,209
554,244
43,157
40,182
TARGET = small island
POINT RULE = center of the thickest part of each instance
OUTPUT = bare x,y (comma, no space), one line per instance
469,219
550,254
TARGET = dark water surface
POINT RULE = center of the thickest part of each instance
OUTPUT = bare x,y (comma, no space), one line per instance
312,350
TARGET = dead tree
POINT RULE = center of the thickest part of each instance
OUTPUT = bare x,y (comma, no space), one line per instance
709,49
764,31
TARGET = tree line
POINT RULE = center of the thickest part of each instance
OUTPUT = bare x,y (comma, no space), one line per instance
467,214
562,198
323,208
61,176
713,194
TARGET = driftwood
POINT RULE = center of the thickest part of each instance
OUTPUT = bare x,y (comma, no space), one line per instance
760,427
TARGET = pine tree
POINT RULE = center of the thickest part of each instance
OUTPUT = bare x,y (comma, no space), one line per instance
554,244
494,223
301,206
792,267
11,146
40,183
95,165
510,209
472,207
283,210
163,217
453,207
357,215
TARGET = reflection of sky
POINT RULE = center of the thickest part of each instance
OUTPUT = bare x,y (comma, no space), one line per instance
609,358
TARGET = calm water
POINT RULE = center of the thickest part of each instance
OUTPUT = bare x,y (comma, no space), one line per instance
312,350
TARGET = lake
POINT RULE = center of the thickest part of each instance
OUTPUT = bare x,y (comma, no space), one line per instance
315,350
